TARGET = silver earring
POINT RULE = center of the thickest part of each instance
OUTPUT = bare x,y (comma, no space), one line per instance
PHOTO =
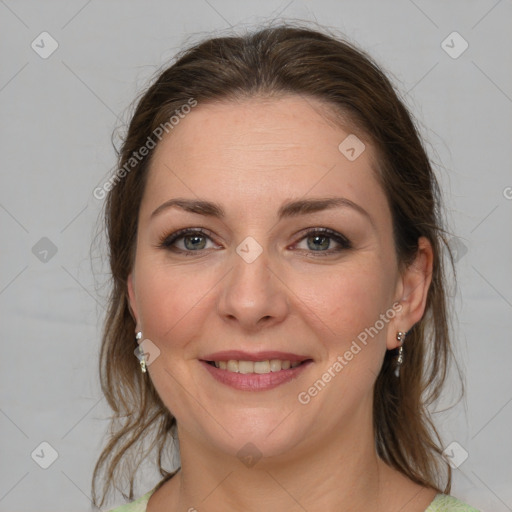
400,336
138,337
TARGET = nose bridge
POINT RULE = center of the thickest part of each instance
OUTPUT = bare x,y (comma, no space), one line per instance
251,293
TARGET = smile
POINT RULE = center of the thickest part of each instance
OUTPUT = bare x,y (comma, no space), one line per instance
254,371
259,367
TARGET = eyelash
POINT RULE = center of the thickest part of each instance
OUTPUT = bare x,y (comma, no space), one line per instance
167,241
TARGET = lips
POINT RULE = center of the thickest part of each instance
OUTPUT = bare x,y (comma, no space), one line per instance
239,355
254,371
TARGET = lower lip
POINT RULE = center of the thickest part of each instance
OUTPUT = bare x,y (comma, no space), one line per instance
255,381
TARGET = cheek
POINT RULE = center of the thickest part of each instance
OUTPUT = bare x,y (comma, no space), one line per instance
350,321
349,303
346,300
172,300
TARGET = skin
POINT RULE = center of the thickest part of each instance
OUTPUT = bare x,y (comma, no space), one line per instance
251,157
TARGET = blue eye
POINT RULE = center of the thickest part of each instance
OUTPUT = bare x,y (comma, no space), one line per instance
320,240
193,240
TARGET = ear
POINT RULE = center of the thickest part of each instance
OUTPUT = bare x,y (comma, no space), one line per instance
132,303
412,289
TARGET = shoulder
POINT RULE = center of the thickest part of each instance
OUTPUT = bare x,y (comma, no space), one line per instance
447,503
141,504
441,503
138,505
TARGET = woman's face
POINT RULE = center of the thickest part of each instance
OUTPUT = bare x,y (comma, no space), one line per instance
273,270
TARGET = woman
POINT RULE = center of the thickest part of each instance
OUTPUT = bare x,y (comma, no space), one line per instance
275,244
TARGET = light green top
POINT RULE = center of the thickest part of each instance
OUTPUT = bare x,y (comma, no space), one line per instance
441,503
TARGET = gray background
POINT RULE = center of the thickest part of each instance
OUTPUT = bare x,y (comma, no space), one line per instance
58,114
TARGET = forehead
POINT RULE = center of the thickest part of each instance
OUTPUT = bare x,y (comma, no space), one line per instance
257,151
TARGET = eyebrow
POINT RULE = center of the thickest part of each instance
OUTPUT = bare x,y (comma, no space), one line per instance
288,209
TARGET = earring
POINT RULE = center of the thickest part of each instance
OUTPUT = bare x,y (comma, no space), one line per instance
400,336
138,337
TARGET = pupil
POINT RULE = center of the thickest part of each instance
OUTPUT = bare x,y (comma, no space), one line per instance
318,240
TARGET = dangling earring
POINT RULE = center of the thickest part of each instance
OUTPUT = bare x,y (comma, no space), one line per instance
138,337
400,336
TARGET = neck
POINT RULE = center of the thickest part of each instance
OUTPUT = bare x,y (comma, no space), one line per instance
342,473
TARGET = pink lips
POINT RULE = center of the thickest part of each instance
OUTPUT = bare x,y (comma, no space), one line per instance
254,381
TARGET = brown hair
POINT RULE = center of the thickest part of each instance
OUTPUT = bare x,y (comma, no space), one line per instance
270,62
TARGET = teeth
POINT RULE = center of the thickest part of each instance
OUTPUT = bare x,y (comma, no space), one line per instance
245,367
261,367
267,366
232,366
276,365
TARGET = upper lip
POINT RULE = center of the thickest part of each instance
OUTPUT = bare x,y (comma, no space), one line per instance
240,355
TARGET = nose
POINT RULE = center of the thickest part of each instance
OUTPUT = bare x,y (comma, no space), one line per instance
253,296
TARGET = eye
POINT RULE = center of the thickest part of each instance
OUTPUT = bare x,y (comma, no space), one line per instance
321,240
187,240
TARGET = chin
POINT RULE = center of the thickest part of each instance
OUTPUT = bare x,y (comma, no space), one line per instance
254,436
